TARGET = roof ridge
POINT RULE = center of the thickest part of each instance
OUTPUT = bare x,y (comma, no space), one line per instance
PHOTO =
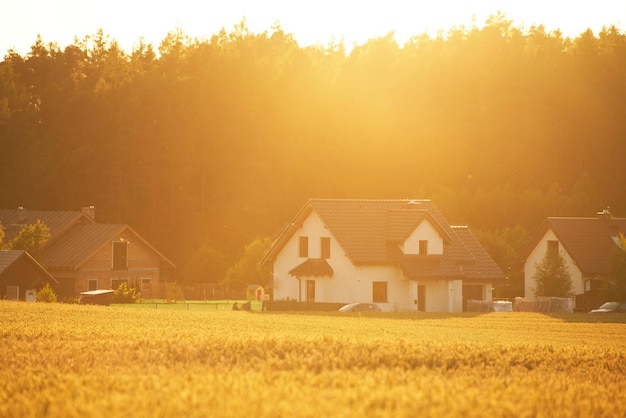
370,200
582,218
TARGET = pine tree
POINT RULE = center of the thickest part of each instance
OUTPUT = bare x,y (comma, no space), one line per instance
552,277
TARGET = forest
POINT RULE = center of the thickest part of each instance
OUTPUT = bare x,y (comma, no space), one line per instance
205,145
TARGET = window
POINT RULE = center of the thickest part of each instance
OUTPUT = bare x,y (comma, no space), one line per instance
310,290
423,250
146,286
553,247
93,284
325,243
120,255
379,292
304,247
117,281
13,293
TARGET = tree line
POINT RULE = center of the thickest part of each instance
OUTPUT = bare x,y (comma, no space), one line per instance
206,146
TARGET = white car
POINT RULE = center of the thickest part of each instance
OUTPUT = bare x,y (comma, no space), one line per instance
360,307
611,307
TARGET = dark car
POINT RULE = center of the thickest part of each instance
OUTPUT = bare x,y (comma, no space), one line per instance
611,307
360,307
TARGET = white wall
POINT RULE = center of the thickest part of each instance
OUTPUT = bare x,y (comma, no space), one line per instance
338,288
537,255
424,231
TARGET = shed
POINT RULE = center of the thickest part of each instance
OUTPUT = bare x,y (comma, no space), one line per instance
21,276
97,297
255,292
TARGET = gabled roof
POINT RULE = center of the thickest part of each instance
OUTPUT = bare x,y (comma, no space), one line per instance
370,231
364,227
8,257
57,222
485,266
589,241
75,246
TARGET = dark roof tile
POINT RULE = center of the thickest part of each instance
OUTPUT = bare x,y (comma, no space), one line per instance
57,222
589,241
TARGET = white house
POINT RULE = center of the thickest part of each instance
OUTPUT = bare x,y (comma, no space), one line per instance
585,244
399,254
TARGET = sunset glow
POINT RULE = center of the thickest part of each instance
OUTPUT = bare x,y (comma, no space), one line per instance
310,22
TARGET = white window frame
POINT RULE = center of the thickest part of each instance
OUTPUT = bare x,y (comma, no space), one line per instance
120,280
17,292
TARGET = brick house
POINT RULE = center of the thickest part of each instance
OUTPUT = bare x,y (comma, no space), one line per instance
84,255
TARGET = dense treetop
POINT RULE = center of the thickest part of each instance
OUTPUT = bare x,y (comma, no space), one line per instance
213,143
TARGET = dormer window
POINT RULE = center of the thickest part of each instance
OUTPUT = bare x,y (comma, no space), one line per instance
304,247
423,247
120,255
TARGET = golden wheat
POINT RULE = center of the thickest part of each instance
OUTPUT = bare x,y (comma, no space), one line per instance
68,360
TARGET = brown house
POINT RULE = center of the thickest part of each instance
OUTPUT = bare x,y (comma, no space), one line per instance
21,276
83,255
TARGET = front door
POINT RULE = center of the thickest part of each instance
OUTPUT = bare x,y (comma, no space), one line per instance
421,298
310,290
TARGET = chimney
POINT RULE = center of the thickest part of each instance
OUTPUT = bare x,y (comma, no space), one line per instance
89,211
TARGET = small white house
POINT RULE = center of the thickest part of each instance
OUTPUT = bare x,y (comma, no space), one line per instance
585,244
399,254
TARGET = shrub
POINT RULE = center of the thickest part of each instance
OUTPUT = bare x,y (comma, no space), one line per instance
46,294
124,294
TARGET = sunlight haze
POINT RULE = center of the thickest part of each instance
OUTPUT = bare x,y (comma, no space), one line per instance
311,23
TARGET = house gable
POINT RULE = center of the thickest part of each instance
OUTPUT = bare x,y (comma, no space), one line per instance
588,241
425,239
310,245
80,243
18,268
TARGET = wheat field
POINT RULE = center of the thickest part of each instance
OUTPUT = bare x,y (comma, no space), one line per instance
61,360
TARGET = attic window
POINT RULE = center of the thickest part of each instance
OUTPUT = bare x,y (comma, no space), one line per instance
552,247
325,243
423,247
304,247
120,255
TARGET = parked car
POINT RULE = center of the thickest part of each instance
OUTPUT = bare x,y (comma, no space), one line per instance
360,307
611,307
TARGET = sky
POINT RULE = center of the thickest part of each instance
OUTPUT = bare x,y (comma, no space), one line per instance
310,22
